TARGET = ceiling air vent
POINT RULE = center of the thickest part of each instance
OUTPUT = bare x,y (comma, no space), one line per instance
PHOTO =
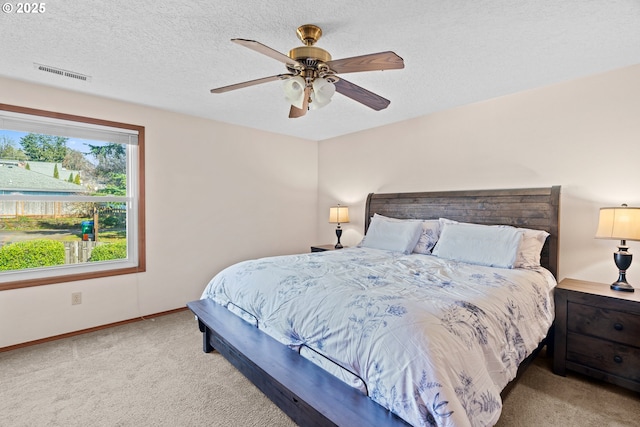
61,72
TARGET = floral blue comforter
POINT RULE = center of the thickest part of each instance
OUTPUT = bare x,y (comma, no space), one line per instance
432,340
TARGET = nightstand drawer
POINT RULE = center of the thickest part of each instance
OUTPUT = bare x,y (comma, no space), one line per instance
612,325
603,355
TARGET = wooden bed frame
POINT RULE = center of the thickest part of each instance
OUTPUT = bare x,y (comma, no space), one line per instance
312,396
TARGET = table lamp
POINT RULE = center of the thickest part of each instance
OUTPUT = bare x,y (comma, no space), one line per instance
338,214
621,223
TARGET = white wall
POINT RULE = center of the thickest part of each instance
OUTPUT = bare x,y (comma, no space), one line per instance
583,135
214,195
230,185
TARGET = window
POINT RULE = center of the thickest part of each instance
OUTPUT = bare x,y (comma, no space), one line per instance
71,198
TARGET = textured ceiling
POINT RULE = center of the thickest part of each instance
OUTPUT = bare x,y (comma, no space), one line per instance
169,54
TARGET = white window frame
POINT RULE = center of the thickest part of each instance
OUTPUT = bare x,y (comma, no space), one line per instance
85,127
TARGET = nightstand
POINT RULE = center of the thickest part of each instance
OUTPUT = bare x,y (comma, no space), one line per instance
597,332
322,248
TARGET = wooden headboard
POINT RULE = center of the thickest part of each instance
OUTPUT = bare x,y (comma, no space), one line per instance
536,208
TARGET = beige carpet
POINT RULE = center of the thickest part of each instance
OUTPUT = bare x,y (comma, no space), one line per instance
154,373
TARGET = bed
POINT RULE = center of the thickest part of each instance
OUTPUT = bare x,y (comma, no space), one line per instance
371,362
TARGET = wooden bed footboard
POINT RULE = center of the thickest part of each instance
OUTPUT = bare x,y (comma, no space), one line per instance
305,392
308,394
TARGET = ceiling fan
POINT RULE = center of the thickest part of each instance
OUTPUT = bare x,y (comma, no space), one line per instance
312,78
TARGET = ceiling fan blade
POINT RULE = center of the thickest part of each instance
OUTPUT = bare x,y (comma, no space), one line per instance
372,62
250,83
296,112
361,95
266,50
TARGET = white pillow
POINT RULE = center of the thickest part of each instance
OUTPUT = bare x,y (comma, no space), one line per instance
428,237
530,248
479,244
444,221
397,236
388,218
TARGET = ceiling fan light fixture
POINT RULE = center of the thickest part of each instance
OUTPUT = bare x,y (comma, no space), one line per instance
323,90
294,91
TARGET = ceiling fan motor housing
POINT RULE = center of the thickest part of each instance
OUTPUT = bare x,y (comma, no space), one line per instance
311,56
303,52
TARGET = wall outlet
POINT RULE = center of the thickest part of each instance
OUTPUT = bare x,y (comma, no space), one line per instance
76,298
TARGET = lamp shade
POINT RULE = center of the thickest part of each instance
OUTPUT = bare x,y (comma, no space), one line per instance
294,91
323,90
338,214
621,223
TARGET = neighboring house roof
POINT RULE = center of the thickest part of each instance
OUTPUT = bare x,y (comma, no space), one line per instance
15,179
46,168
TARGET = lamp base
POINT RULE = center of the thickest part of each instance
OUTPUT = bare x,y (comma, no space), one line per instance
622,259
622,286
338,235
